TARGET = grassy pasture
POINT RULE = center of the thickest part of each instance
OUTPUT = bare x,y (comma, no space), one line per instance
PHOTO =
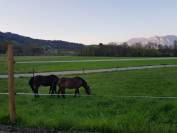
46,58
27,68
102,113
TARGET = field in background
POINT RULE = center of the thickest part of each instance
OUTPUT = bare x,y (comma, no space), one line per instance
104,111
62,66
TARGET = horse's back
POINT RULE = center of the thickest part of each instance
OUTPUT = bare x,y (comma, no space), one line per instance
70,83
44,80
52,78
49,80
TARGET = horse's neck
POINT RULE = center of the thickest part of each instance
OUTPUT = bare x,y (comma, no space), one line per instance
84,84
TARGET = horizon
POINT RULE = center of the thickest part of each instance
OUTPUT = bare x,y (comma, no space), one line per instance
89,22
89,44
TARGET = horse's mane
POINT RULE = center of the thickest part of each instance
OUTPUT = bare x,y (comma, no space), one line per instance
84,82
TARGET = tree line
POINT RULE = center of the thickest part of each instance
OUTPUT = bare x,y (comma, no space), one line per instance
135,50
111,49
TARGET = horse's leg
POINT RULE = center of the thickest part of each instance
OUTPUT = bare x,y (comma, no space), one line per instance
55,89
63,92
36,92
78,92
59,90
50,90
33,89
75,93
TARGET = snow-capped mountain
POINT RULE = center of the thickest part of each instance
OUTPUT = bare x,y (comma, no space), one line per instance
163,40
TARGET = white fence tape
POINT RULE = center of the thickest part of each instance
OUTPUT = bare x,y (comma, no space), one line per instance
91,71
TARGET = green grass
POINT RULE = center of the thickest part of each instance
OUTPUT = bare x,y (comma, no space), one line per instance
46,58
28,68
102,113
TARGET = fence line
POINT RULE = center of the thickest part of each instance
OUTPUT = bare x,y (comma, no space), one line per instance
117,96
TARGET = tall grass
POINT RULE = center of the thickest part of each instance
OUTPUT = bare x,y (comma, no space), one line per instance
103,111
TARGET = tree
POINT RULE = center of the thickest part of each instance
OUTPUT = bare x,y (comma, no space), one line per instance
175,48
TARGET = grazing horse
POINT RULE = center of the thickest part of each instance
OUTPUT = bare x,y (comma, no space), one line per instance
72,83
36,81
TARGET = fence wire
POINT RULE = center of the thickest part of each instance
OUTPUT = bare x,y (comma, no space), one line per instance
117,96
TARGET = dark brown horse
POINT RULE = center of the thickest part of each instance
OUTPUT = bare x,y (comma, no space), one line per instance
36,81
72,83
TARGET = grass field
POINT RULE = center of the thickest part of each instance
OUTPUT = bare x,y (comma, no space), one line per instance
99,112
28,68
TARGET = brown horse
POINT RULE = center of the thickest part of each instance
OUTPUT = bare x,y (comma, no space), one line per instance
36,81
72,83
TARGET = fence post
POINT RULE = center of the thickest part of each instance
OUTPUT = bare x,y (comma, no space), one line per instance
10,62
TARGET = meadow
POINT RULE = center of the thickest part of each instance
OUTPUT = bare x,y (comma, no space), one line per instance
60,66
104,111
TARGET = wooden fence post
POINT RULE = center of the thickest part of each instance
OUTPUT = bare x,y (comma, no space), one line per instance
10,62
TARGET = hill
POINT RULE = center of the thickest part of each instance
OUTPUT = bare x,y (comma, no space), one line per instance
25,44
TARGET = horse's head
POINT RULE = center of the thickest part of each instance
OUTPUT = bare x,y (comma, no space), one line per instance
31,83
85,85
87,89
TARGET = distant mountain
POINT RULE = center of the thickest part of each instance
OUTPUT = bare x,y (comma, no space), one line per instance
163,40
51,44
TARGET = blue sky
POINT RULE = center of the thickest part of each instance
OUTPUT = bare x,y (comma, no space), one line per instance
89,21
